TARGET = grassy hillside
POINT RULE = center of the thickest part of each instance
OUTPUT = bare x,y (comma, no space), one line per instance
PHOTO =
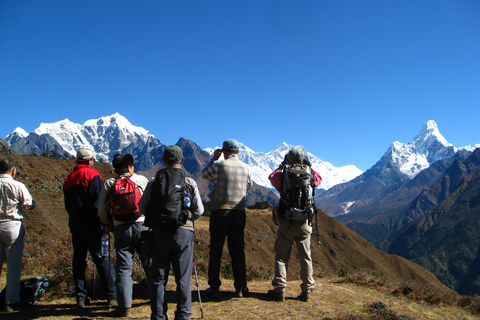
339,253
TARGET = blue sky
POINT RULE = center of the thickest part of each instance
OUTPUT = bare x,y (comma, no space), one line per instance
344,79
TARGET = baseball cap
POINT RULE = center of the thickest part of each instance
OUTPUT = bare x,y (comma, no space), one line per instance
172,154
85,154
231,145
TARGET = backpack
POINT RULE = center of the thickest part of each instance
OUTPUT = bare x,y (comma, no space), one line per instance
124,199
296,193
165,208
31,290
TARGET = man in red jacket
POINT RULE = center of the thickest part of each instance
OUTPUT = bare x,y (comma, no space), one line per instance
82,192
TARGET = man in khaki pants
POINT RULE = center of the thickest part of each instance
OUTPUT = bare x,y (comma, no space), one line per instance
294,222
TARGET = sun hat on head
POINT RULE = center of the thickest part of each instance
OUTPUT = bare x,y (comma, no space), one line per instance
231,145
85,154
296,155
172,154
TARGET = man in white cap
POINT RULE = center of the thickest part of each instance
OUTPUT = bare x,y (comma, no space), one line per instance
231,178
82,193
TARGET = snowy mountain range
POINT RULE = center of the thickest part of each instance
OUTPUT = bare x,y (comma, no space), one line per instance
114,134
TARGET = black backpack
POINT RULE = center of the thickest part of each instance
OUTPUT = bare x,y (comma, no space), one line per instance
165,209
31,290
296,193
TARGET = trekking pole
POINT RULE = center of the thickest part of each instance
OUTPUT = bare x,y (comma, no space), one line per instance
196,283
316,227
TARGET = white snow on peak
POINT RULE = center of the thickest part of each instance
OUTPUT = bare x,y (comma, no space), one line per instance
116,120
20,132
262,164
428,147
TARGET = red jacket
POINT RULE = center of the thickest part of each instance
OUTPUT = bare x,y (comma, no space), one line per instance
81,190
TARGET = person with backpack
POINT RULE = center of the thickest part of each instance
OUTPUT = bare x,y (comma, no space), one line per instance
231,178
119,204
296,181
81,191
171,203
14,198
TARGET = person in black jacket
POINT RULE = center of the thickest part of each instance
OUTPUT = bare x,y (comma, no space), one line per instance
82,192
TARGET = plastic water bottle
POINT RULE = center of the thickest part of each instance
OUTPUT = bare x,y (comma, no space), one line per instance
105,245
187,201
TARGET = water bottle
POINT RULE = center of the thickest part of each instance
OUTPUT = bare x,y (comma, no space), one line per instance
105,245
187,201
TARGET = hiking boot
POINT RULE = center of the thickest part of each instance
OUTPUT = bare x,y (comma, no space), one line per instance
304,296
10,308
214,293
275,295
112,303
243,292
124,313
83,301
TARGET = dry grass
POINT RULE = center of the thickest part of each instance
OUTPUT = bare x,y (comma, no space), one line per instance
332,299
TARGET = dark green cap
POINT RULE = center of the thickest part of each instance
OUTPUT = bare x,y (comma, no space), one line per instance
296,155
172,154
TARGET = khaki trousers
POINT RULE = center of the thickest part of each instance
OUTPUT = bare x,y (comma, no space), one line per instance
300,233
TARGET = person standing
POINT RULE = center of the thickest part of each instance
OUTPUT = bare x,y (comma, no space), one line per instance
81,194
14,197
231,178
295,224
127,231
172,243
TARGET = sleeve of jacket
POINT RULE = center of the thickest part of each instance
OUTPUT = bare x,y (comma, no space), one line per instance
104,202
276,178
317,179
95,188
145,197
197,208
210,172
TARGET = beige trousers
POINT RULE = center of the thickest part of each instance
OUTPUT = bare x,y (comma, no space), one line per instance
300,233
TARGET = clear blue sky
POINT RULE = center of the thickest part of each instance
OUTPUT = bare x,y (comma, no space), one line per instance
344,79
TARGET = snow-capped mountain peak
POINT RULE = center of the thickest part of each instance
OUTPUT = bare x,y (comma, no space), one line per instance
428,147
20,132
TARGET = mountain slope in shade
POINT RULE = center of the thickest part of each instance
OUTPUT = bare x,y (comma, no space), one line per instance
446,240
340,247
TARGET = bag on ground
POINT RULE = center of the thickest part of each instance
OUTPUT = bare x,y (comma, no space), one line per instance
31,290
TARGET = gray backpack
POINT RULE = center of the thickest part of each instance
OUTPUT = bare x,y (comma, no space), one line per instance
296,194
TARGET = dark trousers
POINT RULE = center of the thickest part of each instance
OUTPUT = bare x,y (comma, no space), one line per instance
173,247
88,239
228,224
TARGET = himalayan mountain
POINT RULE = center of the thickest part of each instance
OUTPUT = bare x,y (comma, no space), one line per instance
114,134
419,201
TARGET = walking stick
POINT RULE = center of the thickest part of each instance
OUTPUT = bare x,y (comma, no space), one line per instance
198,287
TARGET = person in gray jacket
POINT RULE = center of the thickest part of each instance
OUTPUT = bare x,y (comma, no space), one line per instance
173,246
